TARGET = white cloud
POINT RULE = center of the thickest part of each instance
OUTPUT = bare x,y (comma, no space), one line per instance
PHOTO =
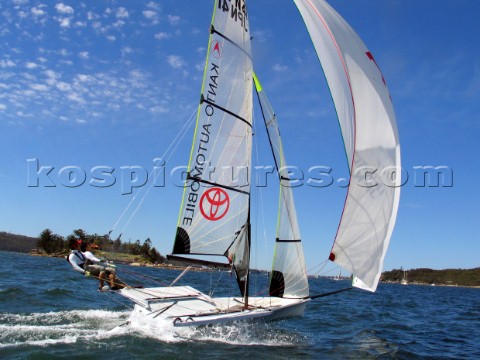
51,73
39,87
64,9
153,5
176,61
278,67
174,19
3,107
92,16
31,65
62,86
84,78
159,109
85,55
22,114
118,24
122,13
7,64
150,14
126,50
64,22
111,38
162,35
37,11
77,98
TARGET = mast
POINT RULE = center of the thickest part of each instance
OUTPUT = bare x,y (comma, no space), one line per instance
249,242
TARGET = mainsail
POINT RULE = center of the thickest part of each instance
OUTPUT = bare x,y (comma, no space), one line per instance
289,276
214,215
369,130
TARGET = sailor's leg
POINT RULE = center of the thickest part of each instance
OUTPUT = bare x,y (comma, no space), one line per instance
101,277
111,280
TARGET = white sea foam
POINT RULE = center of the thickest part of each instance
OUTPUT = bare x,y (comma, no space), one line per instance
67,327
63,327
238,333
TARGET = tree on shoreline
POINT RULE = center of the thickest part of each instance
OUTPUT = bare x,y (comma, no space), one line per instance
52,243
461,277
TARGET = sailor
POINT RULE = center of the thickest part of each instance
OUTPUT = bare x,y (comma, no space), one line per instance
81,264
76,258
104,269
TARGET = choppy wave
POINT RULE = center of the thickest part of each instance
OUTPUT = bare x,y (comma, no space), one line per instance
10,291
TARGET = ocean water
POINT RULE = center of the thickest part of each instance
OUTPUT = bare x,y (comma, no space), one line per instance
49,311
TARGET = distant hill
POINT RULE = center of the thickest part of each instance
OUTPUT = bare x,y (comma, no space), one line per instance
17,243
460,277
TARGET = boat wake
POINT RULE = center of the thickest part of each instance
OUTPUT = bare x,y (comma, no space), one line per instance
100,326
237,333
45,329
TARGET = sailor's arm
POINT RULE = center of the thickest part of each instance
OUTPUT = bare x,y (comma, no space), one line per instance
93,258
75,265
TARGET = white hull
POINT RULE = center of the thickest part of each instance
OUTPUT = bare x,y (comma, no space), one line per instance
185,306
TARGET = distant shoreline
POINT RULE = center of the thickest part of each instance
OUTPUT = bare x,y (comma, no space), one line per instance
434,285
133,263
200,269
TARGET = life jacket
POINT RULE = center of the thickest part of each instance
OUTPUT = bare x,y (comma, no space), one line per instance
79,255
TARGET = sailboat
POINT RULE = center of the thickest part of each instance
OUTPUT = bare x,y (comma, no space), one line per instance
214,217
404,280
339,276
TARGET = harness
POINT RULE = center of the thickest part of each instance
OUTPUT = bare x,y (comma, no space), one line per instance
81,258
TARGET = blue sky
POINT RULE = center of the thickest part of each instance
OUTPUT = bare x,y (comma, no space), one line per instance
111,83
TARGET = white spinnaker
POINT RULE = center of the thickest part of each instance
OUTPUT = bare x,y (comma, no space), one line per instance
216,199
369,130
289,276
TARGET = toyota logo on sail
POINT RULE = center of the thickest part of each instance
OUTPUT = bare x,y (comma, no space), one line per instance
216,49
214,204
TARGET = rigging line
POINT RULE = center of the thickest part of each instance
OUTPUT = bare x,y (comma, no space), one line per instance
322,265
212,291
147,277
327,294
176,141
181,275
118,301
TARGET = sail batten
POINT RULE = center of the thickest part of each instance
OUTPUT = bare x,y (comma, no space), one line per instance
367,121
